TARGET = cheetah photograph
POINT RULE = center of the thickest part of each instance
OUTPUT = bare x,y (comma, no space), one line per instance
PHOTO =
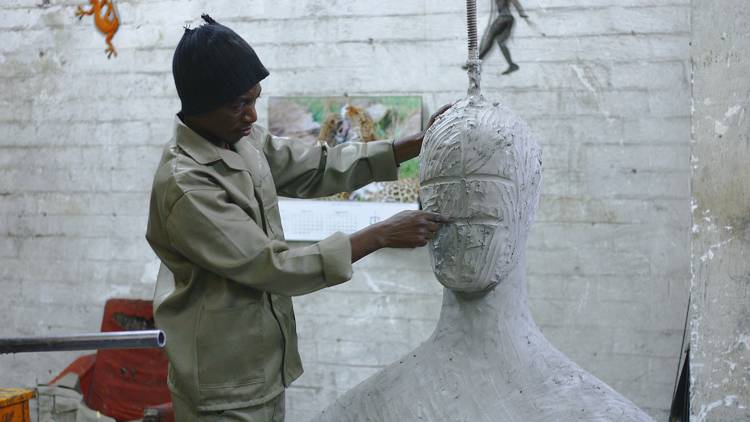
338,120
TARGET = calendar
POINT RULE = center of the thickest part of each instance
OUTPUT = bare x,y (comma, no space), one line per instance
308,220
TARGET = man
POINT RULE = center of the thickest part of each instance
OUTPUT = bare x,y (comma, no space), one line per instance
223,293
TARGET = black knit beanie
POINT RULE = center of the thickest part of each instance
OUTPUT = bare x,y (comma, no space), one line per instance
212,66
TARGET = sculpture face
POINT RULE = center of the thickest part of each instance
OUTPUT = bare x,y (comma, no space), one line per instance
481,167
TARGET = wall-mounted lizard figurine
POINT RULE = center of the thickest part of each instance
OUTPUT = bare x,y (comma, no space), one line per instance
106,19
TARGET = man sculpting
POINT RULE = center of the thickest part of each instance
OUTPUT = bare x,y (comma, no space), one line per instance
223,296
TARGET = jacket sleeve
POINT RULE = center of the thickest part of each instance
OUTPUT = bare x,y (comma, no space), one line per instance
304,170
220,237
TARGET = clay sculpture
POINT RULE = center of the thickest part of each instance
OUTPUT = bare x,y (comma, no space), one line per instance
487,361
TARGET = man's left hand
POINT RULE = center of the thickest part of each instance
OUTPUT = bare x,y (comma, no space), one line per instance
409,147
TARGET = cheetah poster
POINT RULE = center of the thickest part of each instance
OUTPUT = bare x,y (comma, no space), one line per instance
337,120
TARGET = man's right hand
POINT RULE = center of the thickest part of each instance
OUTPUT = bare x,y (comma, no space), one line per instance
407,229
410,229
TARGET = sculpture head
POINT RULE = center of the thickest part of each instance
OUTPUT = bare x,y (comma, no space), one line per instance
480,166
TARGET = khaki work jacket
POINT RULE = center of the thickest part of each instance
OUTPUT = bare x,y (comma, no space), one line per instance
223,296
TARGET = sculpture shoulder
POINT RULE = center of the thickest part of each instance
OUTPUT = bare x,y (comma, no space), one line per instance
426,385
387,396
572,394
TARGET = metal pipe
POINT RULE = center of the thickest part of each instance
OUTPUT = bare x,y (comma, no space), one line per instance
110,340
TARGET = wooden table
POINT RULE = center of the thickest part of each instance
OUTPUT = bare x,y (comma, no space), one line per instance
14,404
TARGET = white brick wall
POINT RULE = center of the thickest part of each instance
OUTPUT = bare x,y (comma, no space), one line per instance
603,82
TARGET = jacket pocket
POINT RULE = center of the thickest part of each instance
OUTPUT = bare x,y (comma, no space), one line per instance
228,347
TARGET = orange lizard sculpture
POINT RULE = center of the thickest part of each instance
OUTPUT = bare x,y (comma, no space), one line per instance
106,20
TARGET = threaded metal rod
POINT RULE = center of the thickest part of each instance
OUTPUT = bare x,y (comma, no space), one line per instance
471,19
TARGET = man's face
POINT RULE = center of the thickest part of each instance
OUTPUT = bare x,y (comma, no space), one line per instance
232,121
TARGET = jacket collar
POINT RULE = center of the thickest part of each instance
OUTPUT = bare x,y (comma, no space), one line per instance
202,150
